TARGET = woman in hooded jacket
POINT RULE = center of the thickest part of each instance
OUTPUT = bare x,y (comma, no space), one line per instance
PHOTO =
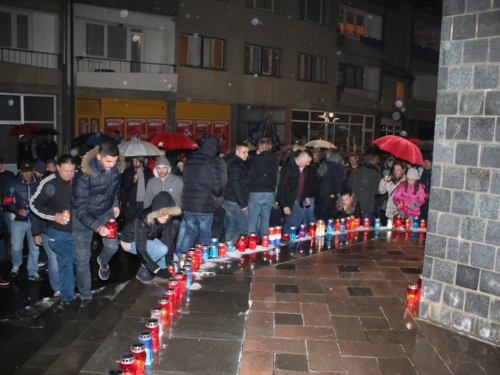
347,205
411,193
388,185
150,236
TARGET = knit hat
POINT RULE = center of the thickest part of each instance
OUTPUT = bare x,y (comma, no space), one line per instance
40,166
162,160
412,174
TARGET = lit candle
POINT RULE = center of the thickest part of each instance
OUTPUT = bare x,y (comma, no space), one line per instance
411,294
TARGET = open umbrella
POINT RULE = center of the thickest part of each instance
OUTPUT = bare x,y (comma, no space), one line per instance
295,147
414,140
426,145
93,139
136,147
400,148
22,129
173,141
319,143
45,131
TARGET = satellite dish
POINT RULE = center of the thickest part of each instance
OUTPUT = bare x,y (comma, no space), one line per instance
396,116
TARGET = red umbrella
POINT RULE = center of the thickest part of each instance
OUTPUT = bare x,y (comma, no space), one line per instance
173,141
22,129
400,148
414,140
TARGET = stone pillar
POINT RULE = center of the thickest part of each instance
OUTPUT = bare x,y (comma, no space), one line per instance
461,286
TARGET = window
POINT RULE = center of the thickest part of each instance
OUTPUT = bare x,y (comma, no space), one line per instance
317,11
107,41
350,76
311,68
202,52
262,60
15,30
358,23
274,6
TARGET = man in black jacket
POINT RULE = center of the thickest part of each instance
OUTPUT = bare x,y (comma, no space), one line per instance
292,189
52,204
95,200
134,182
202,183
5,177
236,199
331,173
140,237
49,148
263,169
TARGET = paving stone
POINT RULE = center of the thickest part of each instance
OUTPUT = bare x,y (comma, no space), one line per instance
256,363
280,307
396,366
348,268
360,292
286,288
482,256
477,304
362,349
275,345
306,332
286,266
453,297
486,77
472,103
262,292
490,282
391,337
467,277
214,326
362,366
294,362
324,356
316,314
348,328
259,324
426,360
374,323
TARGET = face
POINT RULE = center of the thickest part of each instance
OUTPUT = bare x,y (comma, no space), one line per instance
27,176
51,167
315,157
376,159
107,162
136,163
390,163
181,165
162,170
411,181
427,164
303,160
66,171
353,160
398,171
346,200
163,219
242,153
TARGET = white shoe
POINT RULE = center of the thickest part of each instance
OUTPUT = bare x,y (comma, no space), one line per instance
14,272
57,294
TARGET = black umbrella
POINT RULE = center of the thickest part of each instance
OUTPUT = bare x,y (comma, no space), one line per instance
93,139
45,131
265,129
426,145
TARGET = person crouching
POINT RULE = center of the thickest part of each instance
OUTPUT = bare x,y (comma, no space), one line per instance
149,235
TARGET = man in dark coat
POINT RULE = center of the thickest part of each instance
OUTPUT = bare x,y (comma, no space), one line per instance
425,179
134,182
292,189
364,181
150,236
237,193
49,148
5,177
96,200
202,184
331,173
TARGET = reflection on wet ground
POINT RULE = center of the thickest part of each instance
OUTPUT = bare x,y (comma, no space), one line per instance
319,306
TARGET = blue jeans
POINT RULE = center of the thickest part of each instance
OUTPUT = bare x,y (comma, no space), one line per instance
18,230
196,223
180,237
82,239
62,244
5,247
156,250
236,221
295,218
309,212
259,206
52,262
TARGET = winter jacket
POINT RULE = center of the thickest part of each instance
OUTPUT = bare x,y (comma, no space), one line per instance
331,173
18,194
354,209
53,196
263,170
219,201
23,153
130,186
145,226
95,190
172,184
364,181
202,178
313,183
5,177
425,179
389,187
289,184
48,150
238,189
409,197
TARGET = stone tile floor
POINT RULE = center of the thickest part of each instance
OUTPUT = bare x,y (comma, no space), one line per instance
315,308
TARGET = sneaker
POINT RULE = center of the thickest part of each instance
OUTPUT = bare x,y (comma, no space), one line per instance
64,303
104,270
3,282
85,302
35,277
144,276
41,264
14,272
57,294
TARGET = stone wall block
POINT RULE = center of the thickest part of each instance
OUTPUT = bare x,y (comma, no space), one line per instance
464,27
453,7
467,154
453,177
482,256
443,79
472,103
492,105
447,103
449,225
427,268
495,310
457,128
454,297
493,233
458,250
489,156
487,331
473,229
495,182
477,179
463,202
487,206
432,220
482,129
436,175
439,127
460,78
494,50
444,271
440,199
497,130
435,246
443,152
477,304
475,50
431,290
488,24
490,283
477,5
463,322
467,277
497,265
486,77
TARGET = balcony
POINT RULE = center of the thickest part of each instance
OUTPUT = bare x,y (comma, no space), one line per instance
121,74
343,36
31,58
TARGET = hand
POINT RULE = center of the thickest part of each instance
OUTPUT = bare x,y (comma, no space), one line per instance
136,177
60,219
307,202
103,231
244,209
287,211
413,205
22,212
387,178
116,210
38,240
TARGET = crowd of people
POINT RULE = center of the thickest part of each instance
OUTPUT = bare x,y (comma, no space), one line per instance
169,207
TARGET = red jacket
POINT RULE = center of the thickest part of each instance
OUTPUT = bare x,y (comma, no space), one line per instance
408,197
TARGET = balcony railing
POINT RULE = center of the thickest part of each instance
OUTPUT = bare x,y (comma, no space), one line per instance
343,35
32,58
423,104
367,94
426,54
98,65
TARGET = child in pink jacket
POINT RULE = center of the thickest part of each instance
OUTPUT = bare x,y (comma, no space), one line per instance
412,193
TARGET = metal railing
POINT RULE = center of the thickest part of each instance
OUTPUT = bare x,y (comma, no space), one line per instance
343,35
98,65
424,104
367,94
31,58
426,54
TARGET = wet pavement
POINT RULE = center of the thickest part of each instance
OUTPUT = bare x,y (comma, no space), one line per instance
317,307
